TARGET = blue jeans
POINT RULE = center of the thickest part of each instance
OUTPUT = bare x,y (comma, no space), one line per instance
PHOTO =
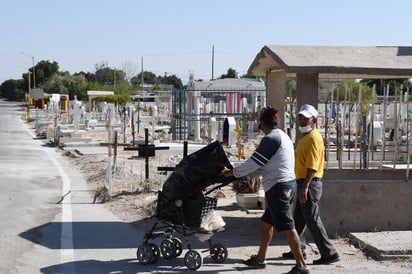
308,215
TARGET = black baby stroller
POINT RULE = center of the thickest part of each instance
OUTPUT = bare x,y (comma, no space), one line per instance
182,204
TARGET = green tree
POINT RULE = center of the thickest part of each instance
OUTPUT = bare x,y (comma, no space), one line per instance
105,75
13,90
175,81
73,85
122,87
157,87
382,84
94,86
231,73
43,70
290,100
148,78
116,99
90,77
291,88
349,90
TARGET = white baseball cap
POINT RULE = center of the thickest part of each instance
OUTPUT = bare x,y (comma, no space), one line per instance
308,111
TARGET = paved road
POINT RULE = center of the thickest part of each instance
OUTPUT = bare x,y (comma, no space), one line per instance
48,221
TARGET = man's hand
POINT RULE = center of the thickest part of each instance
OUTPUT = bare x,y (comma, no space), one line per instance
303,194
227,172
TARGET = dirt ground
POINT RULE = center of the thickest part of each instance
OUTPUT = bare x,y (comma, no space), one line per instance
134,198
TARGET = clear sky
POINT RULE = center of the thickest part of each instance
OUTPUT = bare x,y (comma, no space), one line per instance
176,36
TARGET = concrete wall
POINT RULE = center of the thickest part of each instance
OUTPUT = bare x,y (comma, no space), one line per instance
275,89
307,86
366,200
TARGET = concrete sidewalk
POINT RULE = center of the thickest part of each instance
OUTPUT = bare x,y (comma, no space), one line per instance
385,245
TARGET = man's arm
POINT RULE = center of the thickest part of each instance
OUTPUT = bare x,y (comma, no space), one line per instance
304,187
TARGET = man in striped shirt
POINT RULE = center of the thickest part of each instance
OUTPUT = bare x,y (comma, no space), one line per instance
274,160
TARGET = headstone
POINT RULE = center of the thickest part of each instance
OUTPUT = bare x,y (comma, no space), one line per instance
229,134
54,103
213,127
76,111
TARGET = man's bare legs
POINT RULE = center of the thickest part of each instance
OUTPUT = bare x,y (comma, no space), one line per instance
294,243
265,238
292,238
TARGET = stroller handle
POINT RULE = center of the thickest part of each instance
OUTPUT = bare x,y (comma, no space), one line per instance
221,181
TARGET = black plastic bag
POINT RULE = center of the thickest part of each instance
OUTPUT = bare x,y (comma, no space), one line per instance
196,171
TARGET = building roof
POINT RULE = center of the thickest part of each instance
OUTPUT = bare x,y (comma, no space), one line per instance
229,84
99,93
335,62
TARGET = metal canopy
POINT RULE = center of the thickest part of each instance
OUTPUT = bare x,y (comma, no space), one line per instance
335,62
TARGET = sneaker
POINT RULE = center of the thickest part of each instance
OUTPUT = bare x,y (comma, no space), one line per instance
289,255
328,260
297,270
253,262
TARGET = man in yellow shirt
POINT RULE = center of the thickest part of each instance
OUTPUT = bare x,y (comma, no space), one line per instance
309,163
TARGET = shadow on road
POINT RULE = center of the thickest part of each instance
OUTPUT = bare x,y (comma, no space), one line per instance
85,235
238,232
132,266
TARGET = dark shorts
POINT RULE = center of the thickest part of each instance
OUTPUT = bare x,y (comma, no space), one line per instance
280,201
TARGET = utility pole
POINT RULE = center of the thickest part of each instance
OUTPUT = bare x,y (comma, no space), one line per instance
213,61
34,74
142,74
28,90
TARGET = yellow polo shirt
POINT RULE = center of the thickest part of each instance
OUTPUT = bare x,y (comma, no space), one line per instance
310,153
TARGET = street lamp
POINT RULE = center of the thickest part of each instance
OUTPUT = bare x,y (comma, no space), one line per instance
34,74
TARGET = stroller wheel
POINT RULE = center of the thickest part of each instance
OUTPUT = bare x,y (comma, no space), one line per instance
193,260
178,246
167,248
144,254
155,253
218,253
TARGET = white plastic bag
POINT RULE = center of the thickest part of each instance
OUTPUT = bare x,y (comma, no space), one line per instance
212,221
